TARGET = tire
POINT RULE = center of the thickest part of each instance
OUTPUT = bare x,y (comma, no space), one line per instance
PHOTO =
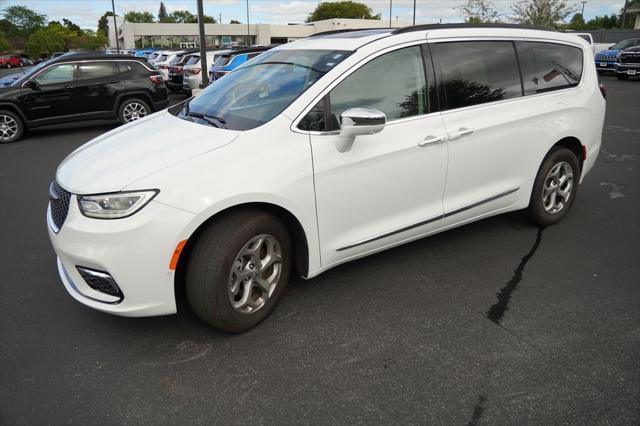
216,268
11,127
133,109
552,197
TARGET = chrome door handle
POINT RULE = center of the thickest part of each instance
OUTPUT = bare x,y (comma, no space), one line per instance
432,140
462,131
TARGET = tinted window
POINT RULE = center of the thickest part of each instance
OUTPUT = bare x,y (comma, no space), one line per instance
95,70
258,91
127,66
476,72
315,119
56,74
548,66
393,83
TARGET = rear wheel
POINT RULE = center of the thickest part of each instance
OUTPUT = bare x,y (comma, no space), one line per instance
555,187
132,110
238,270
11,127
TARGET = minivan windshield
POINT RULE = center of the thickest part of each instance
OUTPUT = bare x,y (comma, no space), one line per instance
256,92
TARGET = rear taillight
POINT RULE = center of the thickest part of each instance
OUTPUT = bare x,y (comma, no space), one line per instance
161,67
156,79
193,71
603,90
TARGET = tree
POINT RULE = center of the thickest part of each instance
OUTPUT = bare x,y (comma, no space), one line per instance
479,11
45,41
235,21
186,17
341,9
25,20
577,22
162,12
70,25
603,22
140,17
103,23
4,44
541,13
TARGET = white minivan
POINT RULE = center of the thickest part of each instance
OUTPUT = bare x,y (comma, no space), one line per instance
319,152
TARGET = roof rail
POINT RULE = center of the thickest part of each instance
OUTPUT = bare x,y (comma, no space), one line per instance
346,30
463,25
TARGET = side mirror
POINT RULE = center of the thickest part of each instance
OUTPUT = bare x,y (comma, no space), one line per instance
33,84
361,121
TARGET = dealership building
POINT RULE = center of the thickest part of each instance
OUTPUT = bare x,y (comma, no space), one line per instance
135,35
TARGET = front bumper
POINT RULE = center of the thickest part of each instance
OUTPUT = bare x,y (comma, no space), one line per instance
625,68
135,251
606,65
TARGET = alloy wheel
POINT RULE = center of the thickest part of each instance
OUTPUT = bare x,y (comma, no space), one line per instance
557,187
8,128
133,111
255,274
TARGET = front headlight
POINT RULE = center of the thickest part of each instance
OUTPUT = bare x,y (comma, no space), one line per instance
116,205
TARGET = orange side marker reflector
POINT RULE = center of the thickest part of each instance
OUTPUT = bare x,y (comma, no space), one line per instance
176,255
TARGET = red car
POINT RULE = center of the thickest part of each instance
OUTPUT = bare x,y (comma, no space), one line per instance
10,61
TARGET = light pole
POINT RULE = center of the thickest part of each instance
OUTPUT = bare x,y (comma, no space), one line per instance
390,11
248,32
203,50
583,3
414,12
115,25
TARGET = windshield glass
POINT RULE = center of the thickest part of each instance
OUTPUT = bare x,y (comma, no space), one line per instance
255,93
221,60
193,60
623,44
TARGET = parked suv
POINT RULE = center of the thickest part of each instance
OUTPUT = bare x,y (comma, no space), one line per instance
175,77
628,63
606,60
10,61
319,152
227,62
80,86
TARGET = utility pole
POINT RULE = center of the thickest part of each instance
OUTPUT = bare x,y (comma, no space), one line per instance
248,32
203,50
582,13
115,25
390,12
414,12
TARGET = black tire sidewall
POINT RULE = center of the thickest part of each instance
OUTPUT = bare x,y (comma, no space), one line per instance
536,208
20,126
128,101
219,312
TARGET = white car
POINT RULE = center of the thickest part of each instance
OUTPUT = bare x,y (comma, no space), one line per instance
165,60
192,71
319,152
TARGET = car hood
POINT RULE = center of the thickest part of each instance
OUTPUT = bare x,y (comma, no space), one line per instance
607,53
124,155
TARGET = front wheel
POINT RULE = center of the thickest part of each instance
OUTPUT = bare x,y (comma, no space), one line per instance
555,187
238,270
11,127
132,110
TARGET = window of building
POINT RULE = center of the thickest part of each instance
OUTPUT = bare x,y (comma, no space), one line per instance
476,72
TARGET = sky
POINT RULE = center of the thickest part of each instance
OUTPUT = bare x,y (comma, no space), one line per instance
86,13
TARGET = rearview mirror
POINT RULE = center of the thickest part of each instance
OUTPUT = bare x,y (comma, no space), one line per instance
361,121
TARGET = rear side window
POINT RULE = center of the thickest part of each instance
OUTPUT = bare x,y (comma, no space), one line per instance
476,72
95,70
129,66
549,66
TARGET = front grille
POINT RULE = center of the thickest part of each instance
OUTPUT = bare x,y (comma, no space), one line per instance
630,59
100,281
605,58
59,202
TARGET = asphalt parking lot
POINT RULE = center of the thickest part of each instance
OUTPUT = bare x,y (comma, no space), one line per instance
498,322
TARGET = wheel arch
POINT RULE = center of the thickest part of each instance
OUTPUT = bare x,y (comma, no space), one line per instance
296,231
573,144
14,109
134,95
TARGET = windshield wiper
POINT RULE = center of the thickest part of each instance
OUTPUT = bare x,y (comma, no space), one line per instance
211,119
